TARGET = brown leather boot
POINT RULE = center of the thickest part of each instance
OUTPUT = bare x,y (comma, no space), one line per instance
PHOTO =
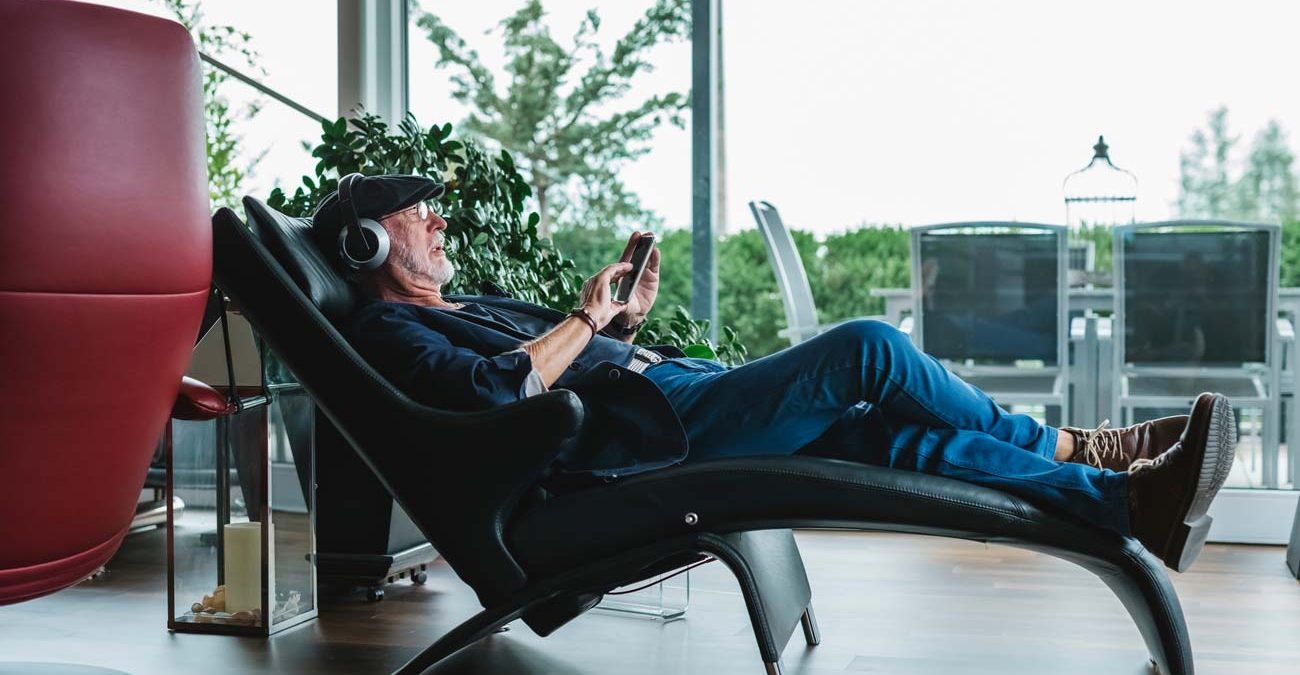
1115,449
1169,495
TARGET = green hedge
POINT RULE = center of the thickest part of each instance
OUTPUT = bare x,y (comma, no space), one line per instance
842,269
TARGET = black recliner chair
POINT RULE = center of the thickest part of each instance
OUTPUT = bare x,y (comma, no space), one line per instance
547,558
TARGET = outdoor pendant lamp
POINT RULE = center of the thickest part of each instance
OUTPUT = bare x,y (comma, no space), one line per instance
1098,195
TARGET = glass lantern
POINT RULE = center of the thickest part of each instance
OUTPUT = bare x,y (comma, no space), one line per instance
241,555
1098,195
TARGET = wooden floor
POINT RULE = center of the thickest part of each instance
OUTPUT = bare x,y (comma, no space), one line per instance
886,604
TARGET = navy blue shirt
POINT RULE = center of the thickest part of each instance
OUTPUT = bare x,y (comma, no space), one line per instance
401,341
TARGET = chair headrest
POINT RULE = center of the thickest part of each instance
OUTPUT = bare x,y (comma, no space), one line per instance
292,243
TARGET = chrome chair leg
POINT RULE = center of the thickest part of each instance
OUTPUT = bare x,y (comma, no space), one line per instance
811,634
773,668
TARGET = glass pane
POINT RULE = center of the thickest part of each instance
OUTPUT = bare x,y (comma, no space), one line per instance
592,184
295,40
865,116
294,50
290,443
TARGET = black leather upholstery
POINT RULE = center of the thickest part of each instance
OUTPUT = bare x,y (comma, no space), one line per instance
551,554
780,492
472,492
291,242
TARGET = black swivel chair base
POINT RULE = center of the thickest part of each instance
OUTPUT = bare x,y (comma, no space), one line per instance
373,571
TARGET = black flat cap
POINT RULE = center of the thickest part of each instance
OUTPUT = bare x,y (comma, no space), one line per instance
374,197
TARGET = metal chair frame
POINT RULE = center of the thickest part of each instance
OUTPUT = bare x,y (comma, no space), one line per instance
1264,378
791,277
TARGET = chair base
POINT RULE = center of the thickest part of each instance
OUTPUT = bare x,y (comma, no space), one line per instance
374,571
774,586
766,563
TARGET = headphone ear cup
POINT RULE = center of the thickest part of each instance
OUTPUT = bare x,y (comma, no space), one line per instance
364,255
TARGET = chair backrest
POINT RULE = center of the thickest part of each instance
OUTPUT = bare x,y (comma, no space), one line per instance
992,293
1196,293
451,472
105,266
791,278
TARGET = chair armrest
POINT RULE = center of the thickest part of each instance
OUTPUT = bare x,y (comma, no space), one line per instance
500,452
803,332
544,419
873,317
890,292
198,401
478,467
1078,329
806,332
1285,330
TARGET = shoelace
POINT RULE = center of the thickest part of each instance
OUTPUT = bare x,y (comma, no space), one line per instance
1101,443
1139,465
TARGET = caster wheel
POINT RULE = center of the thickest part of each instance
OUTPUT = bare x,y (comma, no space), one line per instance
419,578
374,594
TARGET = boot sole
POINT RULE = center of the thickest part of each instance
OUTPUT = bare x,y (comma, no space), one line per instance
1220,435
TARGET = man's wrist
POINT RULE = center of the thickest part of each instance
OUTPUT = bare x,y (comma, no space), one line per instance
621,325
586,318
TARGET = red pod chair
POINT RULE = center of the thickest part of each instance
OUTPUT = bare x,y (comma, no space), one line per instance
105,265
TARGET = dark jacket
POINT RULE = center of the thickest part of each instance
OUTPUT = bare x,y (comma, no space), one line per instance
458,361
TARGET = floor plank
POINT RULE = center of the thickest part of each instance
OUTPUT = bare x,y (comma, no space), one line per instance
886,604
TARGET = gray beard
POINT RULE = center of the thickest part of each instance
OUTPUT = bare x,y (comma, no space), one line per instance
436,272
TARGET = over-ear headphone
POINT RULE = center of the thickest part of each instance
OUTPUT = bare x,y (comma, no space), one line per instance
363,242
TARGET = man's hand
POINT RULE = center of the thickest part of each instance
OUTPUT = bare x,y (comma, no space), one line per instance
552,352
596,298
647,289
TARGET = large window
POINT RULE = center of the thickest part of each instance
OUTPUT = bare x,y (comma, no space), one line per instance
852,116
590,194
845,114
294,50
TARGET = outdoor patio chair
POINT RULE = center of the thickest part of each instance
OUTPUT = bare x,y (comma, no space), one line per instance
990,301
791,278
547,557
1196,310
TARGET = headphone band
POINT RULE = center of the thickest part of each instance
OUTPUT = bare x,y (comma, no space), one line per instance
347,208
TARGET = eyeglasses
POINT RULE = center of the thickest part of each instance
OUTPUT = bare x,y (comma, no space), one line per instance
422,210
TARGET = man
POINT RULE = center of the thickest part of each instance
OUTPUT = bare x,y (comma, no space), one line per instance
860,391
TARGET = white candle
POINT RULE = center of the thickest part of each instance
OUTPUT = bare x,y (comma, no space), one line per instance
243,566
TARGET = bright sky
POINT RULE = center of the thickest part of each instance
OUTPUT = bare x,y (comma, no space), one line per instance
889,111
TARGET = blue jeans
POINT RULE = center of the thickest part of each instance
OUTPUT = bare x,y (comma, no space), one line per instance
899,408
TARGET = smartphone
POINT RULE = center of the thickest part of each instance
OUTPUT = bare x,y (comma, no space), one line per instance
640,257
